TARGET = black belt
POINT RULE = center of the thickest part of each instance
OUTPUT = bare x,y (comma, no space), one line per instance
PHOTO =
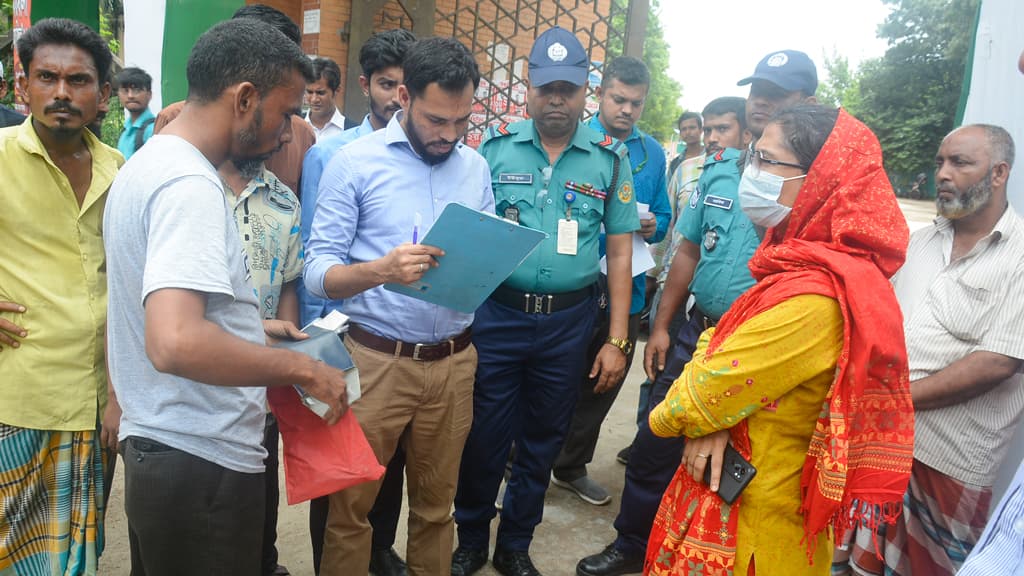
701,318
540,303
424,352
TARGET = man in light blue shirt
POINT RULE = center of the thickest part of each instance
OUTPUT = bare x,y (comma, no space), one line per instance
416,360
381,59
1001,547
135,90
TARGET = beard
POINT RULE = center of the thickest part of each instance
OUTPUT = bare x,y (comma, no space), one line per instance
249,168
248,138
965,203
421,147
383,112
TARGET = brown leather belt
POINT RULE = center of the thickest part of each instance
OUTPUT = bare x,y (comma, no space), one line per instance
418,351
702,318
540,303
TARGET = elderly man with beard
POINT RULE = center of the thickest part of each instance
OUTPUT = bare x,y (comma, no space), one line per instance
964,325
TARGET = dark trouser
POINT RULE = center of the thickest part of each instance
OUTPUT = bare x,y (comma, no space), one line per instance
591,408
187,515
383,516
527,381
673,329
653,460
272,492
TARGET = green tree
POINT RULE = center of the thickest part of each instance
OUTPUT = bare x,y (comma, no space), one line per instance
909,96
841,85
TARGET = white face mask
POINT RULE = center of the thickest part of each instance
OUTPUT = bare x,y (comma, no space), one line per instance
759,197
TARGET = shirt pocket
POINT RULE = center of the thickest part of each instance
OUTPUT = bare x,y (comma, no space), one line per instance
522,197
963,304
589,211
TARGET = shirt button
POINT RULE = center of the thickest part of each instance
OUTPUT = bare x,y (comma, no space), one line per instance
511,197
85,257
1018,526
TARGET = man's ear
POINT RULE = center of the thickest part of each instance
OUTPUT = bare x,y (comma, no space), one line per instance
597,92
811,100
747,138
364,83
105,93
245,99
1000,174
404,97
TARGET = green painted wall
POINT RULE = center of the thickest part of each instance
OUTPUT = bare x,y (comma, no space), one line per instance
185,22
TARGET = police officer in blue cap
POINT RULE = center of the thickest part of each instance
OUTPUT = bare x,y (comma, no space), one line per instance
551,173
711,264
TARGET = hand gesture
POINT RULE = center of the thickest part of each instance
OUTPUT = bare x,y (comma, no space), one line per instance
656,352
408,262
706,451
609,367
327,384
111,423
9,331
281,330
648,227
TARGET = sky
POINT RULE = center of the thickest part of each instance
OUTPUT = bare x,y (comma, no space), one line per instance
713,44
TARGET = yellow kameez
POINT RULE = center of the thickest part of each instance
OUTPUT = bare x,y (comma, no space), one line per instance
775,370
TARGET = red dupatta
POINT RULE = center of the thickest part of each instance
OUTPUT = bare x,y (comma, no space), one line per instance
845,237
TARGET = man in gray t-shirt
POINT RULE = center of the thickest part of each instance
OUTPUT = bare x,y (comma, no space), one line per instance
186,343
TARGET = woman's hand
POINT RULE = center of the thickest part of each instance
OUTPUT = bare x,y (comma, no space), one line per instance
706,451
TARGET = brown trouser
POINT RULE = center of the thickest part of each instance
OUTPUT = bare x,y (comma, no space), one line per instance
434,401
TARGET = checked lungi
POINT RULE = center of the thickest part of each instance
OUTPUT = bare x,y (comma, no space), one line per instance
941,522
51,502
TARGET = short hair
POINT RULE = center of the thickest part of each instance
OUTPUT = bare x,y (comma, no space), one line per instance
628,70
242,50
272,16
728,105
805,128
328,70
133,77
442,60
690,114
384,50
1000,143
64,32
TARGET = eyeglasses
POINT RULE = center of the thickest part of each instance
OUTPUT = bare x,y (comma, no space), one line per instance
756,158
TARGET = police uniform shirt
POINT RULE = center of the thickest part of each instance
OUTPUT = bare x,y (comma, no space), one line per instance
529,189
713,220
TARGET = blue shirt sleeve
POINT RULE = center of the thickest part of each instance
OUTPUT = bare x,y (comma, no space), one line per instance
312,170
660,206
335,219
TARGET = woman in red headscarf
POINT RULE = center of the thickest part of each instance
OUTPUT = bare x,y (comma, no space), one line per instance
806,374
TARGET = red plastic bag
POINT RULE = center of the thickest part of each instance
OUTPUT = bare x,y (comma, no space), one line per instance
320,459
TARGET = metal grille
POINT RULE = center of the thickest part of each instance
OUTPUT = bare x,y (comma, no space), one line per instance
500,34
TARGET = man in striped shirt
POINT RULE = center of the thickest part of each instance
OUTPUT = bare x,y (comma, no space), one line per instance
964,323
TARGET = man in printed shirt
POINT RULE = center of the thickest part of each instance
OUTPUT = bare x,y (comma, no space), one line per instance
964,322
53,306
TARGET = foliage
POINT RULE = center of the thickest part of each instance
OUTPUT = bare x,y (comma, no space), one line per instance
841,86
909,96
113,124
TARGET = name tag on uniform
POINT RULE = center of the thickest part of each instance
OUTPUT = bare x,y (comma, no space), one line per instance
718,202
568,236
510,178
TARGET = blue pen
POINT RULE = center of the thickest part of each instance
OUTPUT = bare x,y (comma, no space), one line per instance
416,223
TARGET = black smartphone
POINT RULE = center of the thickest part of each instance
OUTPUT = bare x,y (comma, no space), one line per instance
736,474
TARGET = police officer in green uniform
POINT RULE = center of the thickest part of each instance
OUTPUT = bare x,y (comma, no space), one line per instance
551,173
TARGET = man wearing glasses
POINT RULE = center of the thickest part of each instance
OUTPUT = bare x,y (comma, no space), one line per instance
711,264
622,93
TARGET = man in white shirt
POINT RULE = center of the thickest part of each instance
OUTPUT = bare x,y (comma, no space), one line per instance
323,114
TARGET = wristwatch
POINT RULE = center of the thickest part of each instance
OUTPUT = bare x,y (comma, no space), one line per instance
623,344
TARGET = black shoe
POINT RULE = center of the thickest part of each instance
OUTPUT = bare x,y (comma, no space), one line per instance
513,563
387,562
466,561
610,562
623,455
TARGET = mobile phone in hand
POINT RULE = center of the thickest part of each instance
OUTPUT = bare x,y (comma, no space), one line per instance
736,474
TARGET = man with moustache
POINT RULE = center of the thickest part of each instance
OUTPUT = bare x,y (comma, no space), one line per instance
964,323
416,359
134,90
555,174
187,351
8,117
53,306
381,59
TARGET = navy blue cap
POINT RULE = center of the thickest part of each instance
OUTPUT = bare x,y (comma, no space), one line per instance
789,69
558,55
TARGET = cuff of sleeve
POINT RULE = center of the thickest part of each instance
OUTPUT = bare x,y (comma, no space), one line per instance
314,274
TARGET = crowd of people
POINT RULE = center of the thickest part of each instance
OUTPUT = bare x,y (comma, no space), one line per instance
825,392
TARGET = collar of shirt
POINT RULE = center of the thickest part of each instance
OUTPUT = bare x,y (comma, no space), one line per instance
596,124
254,185
1004,228
146,115
337,119
579,138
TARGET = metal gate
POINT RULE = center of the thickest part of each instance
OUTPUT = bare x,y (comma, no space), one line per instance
500,34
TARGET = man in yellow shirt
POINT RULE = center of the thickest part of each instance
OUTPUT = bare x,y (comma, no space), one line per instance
53,306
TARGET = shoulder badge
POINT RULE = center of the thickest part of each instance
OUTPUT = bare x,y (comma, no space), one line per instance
613,145
626,192
496,131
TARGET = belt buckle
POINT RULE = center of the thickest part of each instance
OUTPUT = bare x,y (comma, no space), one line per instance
416,351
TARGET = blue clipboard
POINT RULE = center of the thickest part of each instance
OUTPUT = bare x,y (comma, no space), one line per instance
481,251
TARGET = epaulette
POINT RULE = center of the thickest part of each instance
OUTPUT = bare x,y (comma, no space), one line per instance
613,145
722,155
496,131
